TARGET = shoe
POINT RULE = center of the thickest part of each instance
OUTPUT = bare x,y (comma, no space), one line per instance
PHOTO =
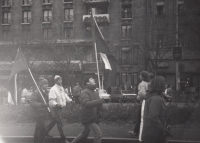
133,134
48,136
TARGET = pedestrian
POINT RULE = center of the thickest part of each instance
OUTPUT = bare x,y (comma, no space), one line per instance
152,128
57,101
91,105
76,92
142,90
40,107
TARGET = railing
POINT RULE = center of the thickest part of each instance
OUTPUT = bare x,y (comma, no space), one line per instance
45,2
126,15
27,2
69,18
6,20
98,18
27,20
47,19
7,3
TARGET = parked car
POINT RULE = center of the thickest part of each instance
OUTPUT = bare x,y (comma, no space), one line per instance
123,96
104,95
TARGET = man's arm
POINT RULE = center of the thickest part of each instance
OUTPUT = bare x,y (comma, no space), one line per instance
86,102
52,98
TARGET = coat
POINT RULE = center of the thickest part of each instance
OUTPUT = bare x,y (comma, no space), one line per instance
37,103
152,126
90,106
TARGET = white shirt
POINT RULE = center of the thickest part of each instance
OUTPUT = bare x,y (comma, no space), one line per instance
57,95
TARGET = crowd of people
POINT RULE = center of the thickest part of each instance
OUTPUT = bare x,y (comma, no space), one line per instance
150,126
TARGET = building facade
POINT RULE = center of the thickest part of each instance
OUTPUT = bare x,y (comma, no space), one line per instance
56,37
51,31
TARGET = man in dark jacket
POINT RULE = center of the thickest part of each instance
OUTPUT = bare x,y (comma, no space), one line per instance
40,108
90,108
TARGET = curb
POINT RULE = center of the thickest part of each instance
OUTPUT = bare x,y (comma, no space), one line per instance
29,139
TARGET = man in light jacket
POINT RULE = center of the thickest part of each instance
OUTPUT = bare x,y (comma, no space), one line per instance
57,100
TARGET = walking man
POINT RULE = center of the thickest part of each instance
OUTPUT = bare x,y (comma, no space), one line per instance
40,108
57,101
90,110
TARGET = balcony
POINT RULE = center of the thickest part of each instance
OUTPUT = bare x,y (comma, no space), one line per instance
100,18
96,2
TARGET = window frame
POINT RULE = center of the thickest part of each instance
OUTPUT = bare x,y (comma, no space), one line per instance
27,16
160,8
126,35
128,51
71,14
8,18
49,18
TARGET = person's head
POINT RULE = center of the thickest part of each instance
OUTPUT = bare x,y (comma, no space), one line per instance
77,83
89,81
58,80
151,76
144,76
157,84
43,83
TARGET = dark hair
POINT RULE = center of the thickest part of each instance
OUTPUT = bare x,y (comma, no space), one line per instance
144,75
157,84
151,75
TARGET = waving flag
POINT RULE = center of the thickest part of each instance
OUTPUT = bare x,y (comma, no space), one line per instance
106,61
102,46
20,64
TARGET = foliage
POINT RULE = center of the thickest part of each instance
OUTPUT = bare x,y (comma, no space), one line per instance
111,112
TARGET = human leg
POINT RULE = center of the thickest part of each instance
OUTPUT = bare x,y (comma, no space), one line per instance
50,126
39,133
82,137
97,132
137,125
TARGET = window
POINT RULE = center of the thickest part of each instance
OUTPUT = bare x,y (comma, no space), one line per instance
26,2
126,77
69,32
88,32
6,18
69,14
47,33
126,56
159,41
47,16
160,8
26,33
126,31
126,12
26,17
181,7
5,34
6,3
46,1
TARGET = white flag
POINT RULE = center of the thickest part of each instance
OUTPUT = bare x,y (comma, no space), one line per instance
106,61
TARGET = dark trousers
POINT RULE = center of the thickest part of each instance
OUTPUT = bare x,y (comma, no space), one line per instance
137,125
56,119
39,133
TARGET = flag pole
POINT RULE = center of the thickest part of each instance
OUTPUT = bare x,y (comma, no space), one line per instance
95,47
15,80
38,88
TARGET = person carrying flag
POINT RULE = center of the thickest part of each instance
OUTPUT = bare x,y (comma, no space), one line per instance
40,108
